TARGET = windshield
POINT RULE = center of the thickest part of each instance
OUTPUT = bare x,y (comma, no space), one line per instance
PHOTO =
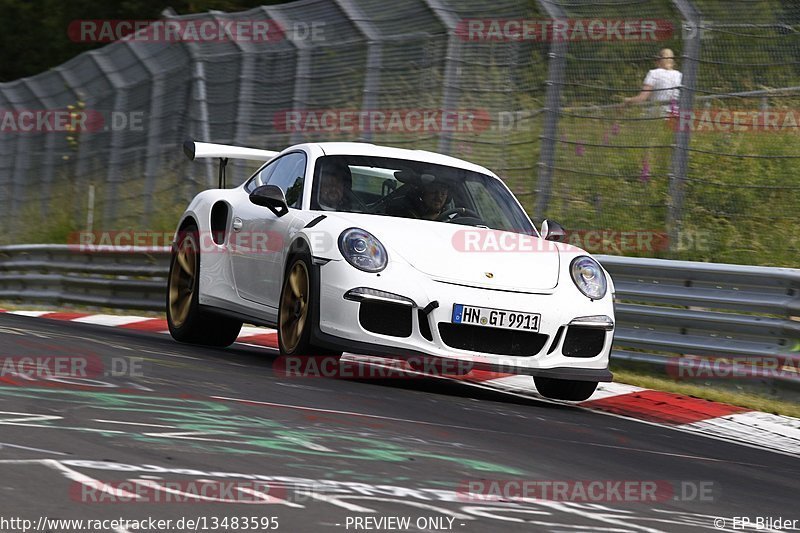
415,189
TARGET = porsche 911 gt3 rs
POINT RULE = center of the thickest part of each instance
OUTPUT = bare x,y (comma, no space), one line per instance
389,252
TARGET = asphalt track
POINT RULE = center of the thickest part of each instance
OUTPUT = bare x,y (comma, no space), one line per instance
334,451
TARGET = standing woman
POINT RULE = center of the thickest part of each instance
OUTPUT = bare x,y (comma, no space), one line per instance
662,84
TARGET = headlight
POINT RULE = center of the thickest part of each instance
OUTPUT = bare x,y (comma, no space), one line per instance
362,250
589,277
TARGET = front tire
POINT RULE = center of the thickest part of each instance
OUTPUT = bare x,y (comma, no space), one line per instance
295,312
565,389
187,322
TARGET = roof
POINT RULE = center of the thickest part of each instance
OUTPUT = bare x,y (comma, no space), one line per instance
357,148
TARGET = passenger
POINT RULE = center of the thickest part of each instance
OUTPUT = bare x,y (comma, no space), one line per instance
334,187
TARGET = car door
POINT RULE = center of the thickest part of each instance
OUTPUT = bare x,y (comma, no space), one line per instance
258,236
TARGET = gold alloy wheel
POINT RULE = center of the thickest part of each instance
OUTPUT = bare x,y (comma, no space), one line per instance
181,282
294,306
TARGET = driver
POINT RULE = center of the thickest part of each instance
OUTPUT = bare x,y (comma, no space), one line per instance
425,201
433,198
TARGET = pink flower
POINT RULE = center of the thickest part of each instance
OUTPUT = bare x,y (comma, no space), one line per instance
644,177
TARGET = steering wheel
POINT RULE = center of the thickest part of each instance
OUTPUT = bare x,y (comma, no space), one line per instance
362,207
458,212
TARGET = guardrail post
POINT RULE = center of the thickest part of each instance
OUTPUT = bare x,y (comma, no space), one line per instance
114,175
49,149
555,80
372,76
72,81
680,155
302,71
199,99
6,164
452,69
244,102
154,131
19,175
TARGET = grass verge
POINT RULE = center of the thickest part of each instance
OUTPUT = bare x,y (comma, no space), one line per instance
742,399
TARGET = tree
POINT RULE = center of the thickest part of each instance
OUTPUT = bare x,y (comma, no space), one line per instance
33,34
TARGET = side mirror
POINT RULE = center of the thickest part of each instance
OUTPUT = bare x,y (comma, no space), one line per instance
553,231
271,197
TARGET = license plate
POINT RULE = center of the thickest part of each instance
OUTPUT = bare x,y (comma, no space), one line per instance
495,318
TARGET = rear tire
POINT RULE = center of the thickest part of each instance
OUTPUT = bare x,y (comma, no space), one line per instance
187,322
565,389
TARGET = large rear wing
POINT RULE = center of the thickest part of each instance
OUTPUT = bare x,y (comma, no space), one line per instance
195,150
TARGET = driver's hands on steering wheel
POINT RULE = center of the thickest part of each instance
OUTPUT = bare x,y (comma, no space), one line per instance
457,212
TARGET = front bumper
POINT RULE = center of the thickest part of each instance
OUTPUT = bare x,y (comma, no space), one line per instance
338,324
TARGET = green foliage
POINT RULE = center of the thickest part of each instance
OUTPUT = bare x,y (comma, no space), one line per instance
34,38
49,210
740,207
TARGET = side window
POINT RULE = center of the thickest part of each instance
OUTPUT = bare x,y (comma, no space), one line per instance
261,177
289,175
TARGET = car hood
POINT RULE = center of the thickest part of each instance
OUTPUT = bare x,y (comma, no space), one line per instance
466,255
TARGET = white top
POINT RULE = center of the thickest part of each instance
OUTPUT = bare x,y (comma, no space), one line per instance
665,84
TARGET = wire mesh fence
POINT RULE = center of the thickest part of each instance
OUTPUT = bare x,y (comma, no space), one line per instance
547,93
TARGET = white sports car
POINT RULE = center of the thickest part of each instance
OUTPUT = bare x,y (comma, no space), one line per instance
388,252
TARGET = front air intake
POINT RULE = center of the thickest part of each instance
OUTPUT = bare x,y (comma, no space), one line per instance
583,342
492,340
385,318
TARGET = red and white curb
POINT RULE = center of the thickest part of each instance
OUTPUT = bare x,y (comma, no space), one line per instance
723,421
765,431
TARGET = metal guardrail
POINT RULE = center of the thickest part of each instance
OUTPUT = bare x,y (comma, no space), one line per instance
121,278
666,311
